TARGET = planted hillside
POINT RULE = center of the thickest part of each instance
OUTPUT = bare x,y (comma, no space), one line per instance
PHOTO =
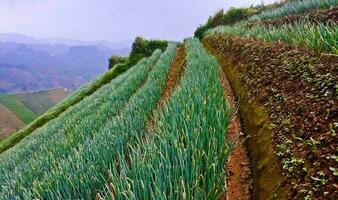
9,122
39,102
74,143
62,106
317,37
288,103
185,154
16,106
302,111
324,16
248,109
238,15
294,7
103,147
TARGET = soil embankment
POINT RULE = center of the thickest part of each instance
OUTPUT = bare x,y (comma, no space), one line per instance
317,16
238,169
289,109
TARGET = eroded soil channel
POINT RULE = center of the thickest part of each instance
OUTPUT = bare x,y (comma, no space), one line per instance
238,170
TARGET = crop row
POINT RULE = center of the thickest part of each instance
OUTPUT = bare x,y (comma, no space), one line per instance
294,7
185,155
318,37
64,135
61,107
38,102
72,168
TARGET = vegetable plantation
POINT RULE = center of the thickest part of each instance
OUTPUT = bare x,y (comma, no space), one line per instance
62,106
57,138
245,110
319,37
184,156
102,147
294,7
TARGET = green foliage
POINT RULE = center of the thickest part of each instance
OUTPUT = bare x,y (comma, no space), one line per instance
232,16
143,48
320,37
77,149
103,147
184,156
12,102
59,108
294,7
117,60
261,12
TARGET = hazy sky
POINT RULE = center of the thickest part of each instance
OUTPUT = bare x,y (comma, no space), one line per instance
112,20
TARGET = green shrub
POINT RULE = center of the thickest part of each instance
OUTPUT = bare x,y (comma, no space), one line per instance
232,16
143,48
117,60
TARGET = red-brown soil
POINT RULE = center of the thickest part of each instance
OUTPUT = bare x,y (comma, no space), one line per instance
175,73
238,170
316,16
298,91
174,76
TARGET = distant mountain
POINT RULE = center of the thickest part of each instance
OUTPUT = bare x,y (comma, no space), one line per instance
28,64
17,38
23,39
112,45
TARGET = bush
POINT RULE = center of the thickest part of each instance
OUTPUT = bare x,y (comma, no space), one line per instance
116,60
141,48
232,16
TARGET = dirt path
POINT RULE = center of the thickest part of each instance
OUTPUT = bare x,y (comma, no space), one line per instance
238,178
173,79
175,73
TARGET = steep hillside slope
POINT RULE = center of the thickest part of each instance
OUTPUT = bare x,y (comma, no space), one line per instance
151,124
9,122
141,48
284,72
249,110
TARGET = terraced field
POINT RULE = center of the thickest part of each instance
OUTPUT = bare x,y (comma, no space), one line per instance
284,70
20,109
16,106
247,110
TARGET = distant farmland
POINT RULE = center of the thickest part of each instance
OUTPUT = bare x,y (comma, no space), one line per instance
19,109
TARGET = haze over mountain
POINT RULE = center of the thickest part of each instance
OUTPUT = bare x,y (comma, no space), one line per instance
28,64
